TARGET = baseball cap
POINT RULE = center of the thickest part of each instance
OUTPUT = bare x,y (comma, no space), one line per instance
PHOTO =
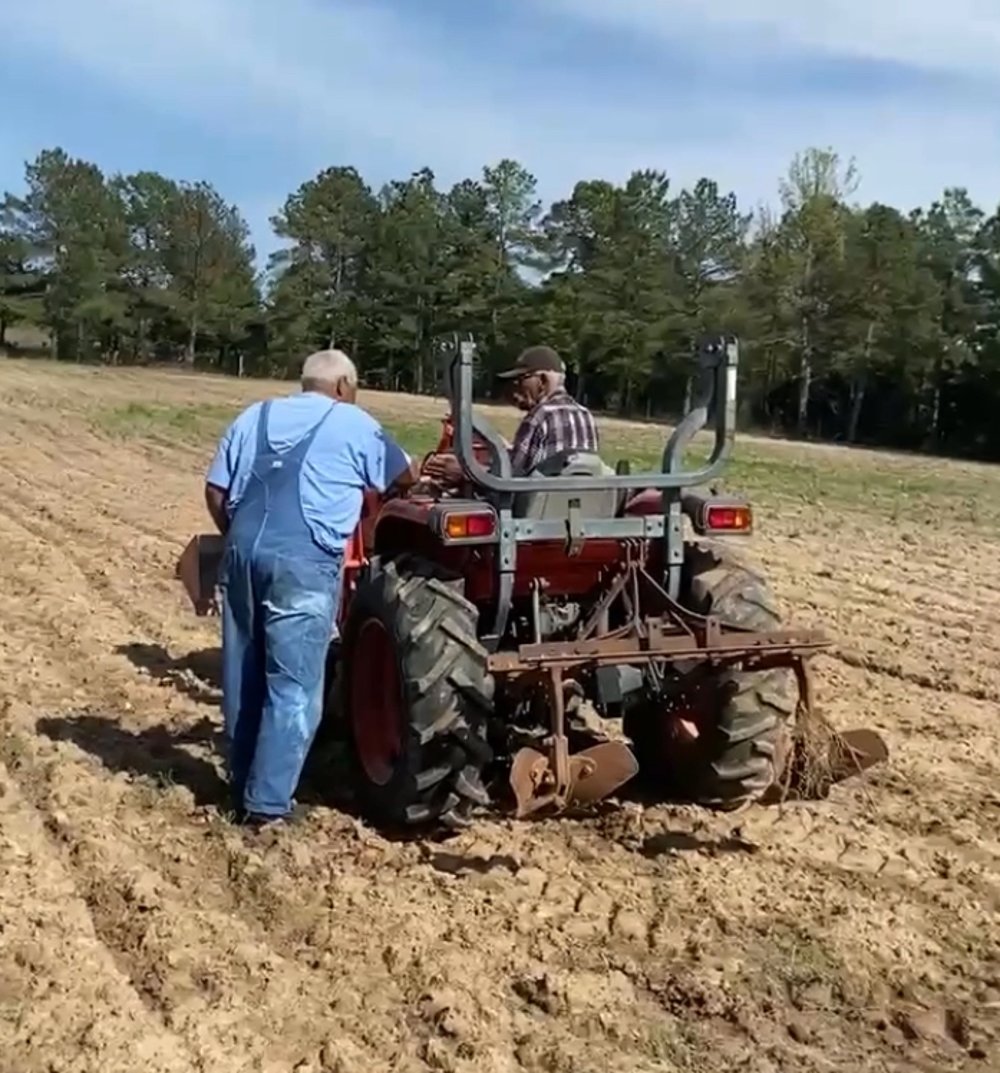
536,359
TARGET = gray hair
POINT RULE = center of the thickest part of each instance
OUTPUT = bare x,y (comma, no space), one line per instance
553,381
328,367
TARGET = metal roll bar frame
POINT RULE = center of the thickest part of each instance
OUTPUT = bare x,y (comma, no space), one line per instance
714,395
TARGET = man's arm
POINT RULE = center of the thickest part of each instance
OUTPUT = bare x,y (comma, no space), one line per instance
385,466
407,477
219,478
444,466
215,500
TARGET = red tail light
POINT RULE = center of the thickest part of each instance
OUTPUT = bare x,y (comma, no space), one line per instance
726,518
471,525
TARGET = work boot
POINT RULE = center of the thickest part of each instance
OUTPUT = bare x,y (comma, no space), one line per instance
236,809
258,821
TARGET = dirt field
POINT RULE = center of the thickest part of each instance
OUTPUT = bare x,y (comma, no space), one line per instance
139,932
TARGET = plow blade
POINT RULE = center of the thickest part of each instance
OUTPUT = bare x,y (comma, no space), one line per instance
854,751
592,774
813,772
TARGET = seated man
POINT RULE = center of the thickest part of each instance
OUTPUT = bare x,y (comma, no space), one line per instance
554,422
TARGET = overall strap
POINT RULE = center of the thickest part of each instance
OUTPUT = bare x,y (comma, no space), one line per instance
262,445
302,447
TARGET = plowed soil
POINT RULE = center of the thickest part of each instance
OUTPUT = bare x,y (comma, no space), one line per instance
141,933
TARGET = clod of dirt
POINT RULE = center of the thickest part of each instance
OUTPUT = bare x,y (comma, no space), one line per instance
957,1026
800,1032
142,892
342,1056
630,926
533,878
301,856
539,1055
472,863
580,993
933,1025
817,995
437,1056
444,1011
542,992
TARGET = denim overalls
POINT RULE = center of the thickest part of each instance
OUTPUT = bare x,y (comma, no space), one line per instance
280,596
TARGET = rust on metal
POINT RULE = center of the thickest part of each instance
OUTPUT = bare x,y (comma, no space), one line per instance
560,743
600,770
558,780
671,632
854,751
729,646
529,771
666,632
198,570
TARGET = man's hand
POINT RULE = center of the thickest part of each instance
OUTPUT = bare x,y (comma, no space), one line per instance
209,606
444,468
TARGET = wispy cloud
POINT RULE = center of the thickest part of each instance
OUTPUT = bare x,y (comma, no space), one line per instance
271,92
297,70
960,37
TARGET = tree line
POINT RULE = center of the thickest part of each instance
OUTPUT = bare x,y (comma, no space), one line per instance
858,323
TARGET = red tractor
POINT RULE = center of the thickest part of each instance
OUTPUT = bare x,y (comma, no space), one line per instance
561,630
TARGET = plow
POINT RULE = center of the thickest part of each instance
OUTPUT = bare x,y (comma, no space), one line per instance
541,641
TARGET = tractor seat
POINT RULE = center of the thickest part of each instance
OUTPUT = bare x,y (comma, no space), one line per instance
554,506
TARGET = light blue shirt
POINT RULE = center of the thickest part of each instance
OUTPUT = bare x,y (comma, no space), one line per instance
351,452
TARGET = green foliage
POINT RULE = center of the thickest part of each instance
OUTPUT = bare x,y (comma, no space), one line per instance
859,323
318,281
127,267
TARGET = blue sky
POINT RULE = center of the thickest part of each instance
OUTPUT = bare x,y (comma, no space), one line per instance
257,95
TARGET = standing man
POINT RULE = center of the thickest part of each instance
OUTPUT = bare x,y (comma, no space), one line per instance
286,488
554,423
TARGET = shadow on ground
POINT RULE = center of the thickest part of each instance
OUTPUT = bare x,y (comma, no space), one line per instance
196,674
158,752
668,843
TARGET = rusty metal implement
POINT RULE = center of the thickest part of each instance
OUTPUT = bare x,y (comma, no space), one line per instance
560,780
556,780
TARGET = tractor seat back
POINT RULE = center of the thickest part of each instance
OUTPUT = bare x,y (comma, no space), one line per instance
554,506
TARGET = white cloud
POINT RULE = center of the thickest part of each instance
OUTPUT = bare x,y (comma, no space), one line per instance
322,82
961,36
299,70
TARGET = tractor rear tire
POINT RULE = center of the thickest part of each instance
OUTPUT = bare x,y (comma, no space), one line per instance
414,694
744,748
744,718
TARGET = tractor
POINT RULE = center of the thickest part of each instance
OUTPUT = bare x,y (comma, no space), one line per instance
560,633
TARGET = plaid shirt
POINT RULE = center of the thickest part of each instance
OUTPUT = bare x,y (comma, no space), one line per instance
556,424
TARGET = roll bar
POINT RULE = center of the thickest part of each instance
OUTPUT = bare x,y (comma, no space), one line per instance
718,358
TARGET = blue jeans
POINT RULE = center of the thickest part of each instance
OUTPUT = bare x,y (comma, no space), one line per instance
277,619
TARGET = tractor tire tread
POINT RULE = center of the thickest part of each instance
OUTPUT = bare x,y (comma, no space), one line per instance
447,695
756,708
